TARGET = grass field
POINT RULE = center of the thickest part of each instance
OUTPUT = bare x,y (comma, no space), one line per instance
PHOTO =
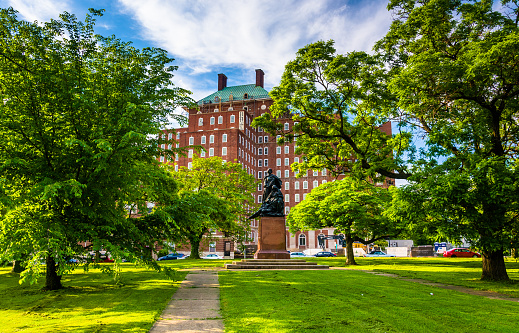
455,271
353,301
273,301
90,302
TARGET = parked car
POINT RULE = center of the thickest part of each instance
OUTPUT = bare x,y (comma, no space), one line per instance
460,252
297,254
325,254
212,256
378,254
172,256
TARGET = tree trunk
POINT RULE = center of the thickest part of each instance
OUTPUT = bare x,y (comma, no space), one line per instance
494,268
52,279
17,267
195,247
350,258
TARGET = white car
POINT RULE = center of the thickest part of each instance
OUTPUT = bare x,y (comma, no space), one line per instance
212,256
297,254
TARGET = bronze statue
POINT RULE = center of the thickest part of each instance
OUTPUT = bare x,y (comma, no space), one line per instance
273,203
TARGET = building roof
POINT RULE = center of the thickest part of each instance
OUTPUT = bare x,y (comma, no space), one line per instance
238,93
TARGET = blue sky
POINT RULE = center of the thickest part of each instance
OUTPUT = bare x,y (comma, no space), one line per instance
234,37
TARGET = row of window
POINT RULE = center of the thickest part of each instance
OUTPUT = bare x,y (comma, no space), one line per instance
297,197
203,139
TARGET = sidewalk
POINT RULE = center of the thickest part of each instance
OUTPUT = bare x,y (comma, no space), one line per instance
195,307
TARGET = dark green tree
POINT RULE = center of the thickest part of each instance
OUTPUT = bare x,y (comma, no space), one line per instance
79,121
447,72
355,208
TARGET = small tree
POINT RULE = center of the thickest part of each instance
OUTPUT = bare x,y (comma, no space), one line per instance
354,207
226,181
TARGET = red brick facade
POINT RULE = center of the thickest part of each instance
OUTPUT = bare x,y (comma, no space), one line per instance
222,126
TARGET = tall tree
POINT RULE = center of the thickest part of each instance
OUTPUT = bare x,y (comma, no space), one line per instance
79,124
355,208
452,79
339,104
456,77
226,181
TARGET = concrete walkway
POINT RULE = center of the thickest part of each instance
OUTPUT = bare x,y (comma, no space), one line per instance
195,307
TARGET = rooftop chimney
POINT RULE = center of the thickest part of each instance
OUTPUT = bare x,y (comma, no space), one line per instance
222,81
259,78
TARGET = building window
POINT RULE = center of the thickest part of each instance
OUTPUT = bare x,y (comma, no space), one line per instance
278,150
266,162
266,139
324,181
260,139
191,141
278,173
323,172
287,127
296,185
162,158
200,121
224,138
305,185
170,136
224,151
287,185
296,197
278,161
287,173
260,175
220,120
202,140
316,183
211,138
287,197
176,167
287,161
260,151
287,149
260,198
190,153
302,240
232,119
260,163
316,173
202,153
287,210
189,165
296,159
265,151
212,247
211,151
304,196
211,121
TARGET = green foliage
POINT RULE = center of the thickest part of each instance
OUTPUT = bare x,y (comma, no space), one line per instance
354,207
338,102
215,196
455,75
79,124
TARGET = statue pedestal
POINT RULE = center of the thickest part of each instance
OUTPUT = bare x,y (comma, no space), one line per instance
272,238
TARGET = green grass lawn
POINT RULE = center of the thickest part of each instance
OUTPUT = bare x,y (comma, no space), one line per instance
456,271
353,301
91,302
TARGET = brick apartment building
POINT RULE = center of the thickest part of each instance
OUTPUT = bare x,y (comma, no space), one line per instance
222,126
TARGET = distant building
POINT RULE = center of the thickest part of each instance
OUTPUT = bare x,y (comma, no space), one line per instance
222,126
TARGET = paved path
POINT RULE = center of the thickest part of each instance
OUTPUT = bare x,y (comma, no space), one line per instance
470,291
195,307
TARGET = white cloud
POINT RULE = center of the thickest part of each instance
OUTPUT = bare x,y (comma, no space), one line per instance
41,10
208,35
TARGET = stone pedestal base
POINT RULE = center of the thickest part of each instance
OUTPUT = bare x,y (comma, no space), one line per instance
272,238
